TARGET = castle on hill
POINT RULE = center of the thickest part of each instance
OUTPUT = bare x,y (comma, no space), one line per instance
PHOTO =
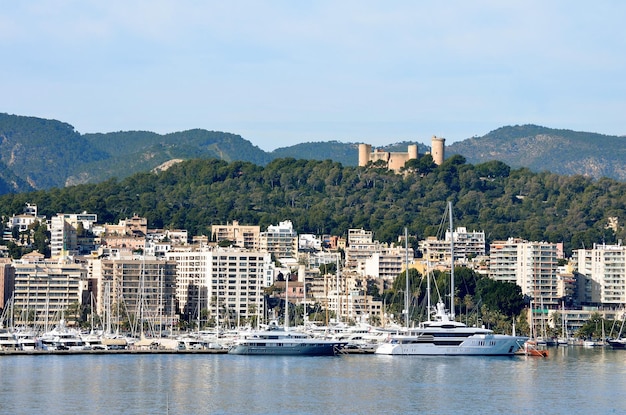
396,160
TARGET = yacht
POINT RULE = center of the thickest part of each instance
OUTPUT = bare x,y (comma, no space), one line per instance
8,341
443,336
62,338
26,338
278,341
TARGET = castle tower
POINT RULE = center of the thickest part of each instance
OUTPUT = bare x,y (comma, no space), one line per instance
364,154
412,150
437,148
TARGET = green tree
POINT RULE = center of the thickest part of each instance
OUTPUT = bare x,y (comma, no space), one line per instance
504,297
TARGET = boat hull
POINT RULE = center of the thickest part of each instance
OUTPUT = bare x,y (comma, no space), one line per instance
495,345
618,344
296,349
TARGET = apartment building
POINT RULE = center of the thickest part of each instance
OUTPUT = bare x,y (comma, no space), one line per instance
360,246
347,298
65,231
7,281
228,282
466,245
243,236
603,270
503,260
135,288
44,289
387,263
532,266
280,240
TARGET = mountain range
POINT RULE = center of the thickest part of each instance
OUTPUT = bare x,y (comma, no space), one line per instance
37,153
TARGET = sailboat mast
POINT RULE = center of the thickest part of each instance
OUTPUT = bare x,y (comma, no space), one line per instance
304,316
287,301
451,263
428,306
406,271
338,319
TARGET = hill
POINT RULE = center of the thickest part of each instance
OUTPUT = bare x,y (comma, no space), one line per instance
37,153
546,149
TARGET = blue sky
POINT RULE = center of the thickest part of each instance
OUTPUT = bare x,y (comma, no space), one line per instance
284,72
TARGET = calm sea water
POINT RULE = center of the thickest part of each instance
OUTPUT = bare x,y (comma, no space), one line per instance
572,380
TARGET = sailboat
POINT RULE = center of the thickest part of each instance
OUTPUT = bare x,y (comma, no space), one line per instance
619,342
442,335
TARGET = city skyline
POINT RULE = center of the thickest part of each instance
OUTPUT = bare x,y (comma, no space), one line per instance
281,73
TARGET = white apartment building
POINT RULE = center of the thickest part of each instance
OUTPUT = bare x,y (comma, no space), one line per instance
64,231
281,240
317,258
23,221
532,266
360,246
503,260
466,245
604,269
228,282
387,264
44,289
309,242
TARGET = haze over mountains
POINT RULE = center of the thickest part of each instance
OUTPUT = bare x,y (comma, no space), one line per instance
36,153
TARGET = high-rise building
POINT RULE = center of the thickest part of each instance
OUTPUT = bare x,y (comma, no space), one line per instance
45,289
7,281
228,282
135,288
280,240
531,265
65,231
604,269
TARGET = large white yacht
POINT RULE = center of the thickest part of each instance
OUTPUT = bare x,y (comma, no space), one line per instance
278,341
443,336
62,338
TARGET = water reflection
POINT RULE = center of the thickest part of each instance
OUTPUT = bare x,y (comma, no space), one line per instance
570,380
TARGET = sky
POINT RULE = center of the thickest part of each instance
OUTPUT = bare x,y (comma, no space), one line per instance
280,73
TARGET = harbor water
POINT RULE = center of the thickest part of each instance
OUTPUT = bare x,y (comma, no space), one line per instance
571,380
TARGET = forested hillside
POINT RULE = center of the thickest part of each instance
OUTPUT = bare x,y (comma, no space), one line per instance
40,152
548,149
36,153
325,197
